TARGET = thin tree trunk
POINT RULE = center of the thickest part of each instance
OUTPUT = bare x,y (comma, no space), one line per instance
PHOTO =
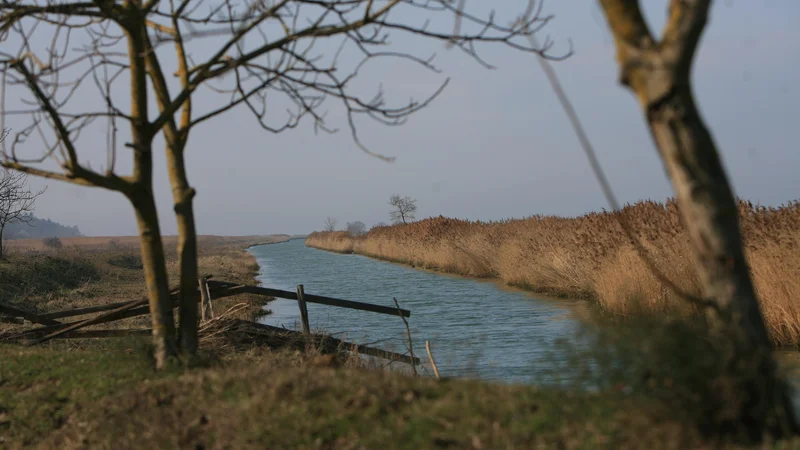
155,271
183,196
2,244
141,194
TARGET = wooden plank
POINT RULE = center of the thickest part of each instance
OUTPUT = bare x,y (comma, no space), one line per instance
331,343
92,334
204,298
140,310
90,309
301,302
10,319
311,298
109,316
83,311
35,318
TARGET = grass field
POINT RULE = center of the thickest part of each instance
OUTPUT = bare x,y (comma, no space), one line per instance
591,257
90,271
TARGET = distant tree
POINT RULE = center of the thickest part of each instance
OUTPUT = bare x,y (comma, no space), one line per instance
356,228
380,224
40,228
403,208
330,224
16,201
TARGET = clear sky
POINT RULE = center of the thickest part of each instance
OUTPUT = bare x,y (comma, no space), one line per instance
496,143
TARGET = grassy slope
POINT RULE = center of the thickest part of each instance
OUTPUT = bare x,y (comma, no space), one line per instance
104,394
591,257
89,272
112,399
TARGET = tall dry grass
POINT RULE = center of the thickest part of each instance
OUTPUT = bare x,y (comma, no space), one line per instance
591,257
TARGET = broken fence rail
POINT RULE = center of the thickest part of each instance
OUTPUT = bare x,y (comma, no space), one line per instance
235,289
53,329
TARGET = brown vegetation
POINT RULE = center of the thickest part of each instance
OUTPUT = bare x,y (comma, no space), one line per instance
590,256
91,271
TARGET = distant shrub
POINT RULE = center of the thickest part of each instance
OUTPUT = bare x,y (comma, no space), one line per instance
356,228
114,244
133,262
52,242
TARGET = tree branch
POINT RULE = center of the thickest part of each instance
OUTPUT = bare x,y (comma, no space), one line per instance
686,22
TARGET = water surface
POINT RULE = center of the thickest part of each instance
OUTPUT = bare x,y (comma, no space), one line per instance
477,328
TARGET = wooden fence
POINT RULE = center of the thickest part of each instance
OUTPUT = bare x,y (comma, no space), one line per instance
53,328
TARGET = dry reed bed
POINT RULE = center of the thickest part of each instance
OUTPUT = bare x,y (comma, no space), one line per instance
591,257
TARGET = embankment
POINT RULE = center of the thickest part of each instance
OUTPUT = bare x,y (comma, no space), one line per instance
591,257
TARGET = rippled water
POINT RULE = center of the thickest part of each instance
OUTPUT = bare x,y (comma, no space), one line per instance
477,328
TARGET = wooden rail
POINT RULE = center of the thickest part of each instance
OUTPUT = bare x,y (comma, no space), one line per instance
310,298
12,312
53,329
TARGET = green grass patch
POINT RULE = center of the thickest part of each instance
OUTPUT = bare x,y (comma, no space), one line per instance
41,387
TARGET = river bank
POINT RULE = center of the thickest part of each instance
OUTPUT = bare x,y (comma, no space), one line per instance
590,257
105,393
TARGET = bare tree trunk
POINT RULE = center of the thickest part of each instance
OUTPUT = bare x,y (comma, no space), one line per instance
708,210
2,244
155,272
659,74
183,196
141,194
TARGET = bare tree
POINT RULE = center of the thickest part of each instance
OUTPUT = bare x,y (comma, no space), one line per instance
276,49
356,228
16,201
658,71
297,53
88,49
404,208
330,224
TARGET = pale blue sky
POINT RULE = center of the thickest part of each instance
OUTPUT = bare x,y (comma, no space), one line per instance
496,143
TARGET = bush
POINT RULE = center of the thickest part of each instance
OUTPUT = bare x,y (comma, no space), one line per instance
676,363
114,244
52,242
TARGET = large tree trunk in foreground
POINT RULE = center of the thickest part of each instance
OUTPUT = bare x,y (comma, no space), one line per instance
155,272
659,74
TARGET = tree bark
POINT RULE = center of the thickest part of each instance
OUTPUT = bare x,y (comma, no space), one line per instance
141,192
2,244
183,197
182,194
659,74
155,272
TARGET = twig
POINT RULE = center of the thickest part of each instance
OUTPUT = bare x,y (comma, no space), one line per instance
433,362
408,334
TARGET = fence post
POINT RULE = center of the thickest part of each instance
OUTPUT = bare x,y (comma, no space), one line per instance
301,302
205,300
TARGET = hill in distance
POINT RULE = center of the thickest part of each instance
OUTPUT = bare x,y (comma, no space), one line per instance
39,228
